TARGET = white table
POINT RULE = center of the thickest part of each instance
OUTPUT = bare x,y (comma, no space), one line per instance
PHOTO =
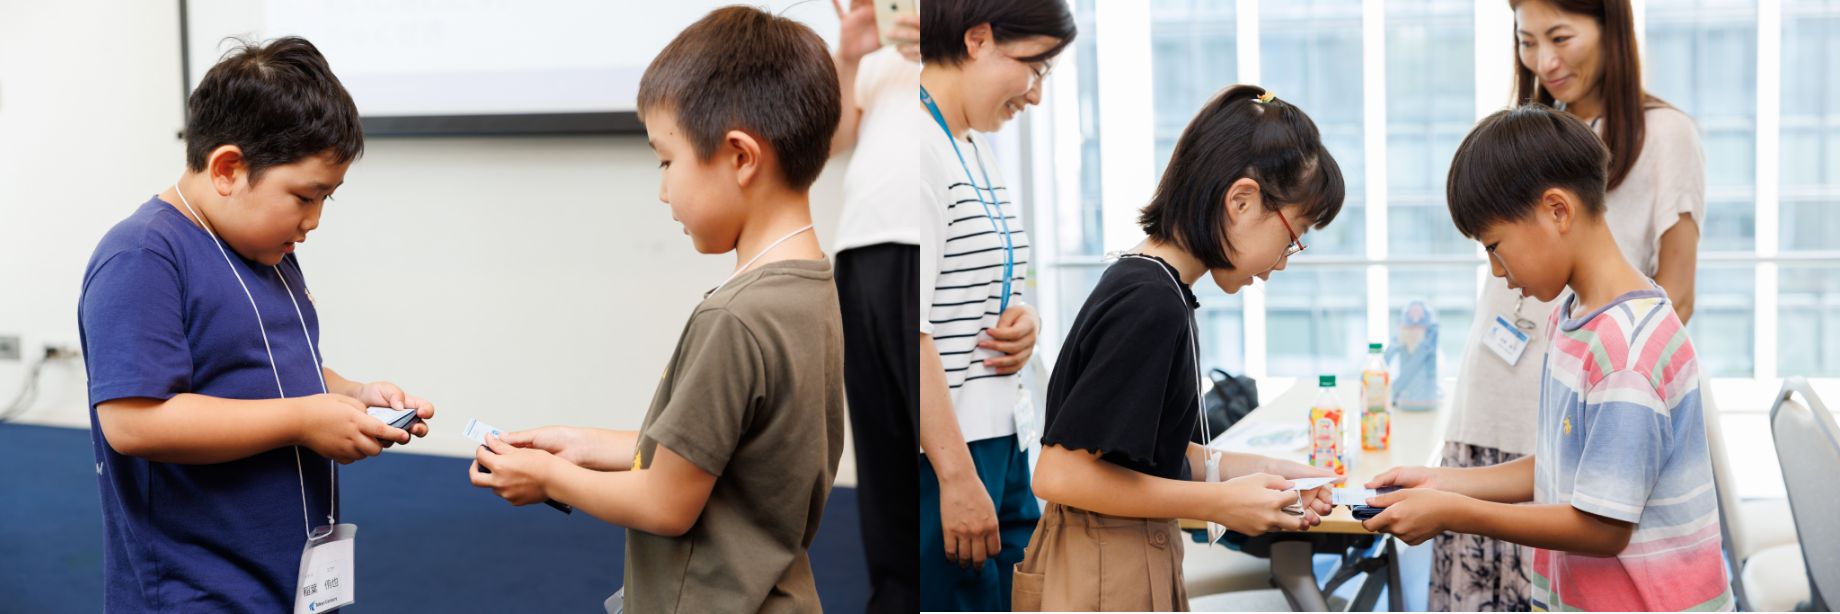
1417,439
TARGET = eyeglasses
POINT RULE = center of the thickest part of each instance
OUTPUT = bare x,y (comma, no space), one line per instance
1038,70
1296,244
1505,273
1039,73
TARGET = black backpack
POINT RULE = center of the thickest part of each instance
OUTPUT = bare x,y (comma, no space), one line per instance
1231,399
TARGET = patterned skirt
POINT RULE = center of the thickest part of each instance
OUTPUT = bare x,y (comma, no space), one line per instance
1470,573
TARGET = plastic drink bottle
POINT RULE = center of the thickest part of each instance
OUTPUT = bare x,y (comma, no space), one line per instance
1326,430
1376,388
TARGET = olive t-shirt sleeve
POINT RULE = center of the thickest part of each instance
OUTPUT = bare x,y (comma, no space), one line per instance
718,385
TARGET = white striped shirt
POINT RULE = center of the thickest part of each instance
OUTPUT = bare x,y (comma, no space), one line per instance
961,281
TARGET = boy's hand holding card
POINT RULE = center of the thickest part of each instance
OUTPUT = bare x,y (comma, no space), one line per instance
514,474
1414,515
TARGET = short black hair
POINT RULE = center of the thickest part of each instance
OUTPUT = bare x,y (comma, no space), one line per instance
946,21
1513,156
278,102
1238,135
741,68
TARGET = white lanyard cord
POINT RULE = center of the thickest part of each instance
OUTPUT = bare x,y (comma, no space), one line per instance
318,372
1520,321
298,471
1207,432
756,258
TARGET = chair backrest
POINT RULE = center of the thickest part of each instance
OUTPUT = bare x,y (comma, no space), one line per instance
1730,520
1808,447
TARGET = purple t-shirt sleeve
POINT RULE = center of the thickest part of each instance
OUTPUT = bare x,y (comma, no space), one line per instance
133,325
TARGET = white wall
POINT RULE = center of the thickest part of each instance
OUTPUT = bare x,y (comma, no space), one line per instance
520,281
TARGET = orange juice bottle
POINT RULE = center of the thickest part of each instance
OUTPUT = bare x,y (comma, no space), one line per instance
1326,429
1376,388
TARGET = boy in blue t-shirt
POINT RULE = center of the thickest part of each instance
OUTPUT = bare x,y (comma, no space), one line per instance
202,343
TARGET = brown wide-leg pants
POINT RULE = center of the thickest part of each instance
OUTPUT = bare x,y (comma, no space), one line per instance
1080,560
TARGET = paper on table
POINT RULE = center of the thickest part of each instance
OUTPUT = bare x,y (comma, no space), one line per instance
1264,438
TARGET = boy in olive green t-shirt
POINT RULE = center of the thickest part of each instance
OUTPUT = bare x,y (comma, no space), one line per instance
723,486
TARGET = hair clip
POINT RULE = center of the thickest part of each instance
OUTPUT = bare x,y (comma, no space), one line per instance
1267,97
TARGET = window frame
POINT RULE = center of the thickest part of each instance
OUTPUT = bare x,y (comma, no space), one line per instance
1052,168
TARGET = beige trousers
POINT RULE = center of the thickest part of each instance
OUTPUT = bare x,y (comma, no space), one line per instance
1085,561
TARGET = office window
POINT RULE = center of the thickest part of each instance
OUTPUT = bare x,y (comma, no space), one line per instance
1195,56
1430,106
1310,55
1809,308
1702,56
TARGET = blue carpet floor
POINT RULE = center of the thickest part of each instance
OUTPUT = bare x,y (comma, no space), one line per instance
431,542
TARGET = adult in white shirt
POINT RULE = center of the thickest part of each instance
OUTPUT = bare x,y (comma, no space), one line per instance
878,273
924,175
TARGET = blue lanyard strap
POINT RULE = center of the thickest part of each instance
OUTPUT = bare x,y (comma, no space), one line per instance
993,210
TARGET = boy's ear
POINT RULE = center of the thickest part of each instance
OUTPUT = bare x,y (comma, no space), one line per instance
978,41
1559,206
744,156
224,166
1242,196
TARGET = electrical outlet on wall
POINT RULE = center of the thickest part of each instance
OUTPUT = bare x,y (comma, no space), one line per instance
57,348
50,346
36,347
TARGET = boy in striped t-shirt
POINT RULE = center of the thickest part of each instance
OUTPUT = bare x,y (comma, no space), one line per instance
1618,500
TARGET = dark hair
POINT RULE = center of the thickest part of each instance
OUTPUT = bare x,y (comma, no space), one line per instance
946,21
740,68
1625,126
1239,136
1513,156
278,102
